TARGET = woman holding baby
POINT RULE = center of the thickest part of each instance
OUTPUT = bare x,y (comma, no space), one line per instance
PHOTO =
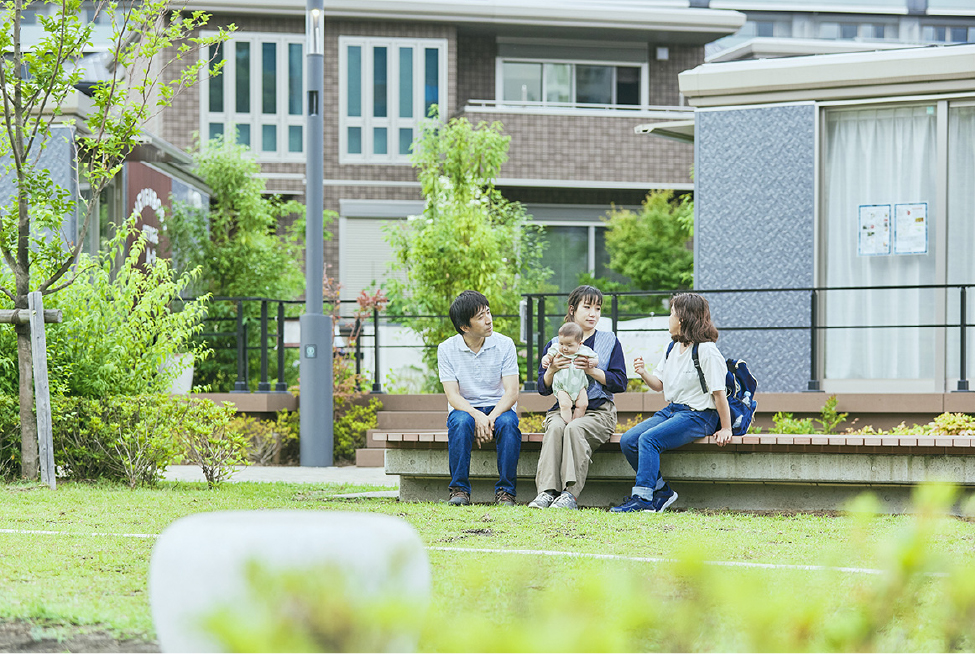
567,445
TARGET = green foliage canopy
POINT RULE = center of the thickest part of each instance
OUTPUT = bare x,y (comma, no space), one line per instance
235,242
119,335
469,236
650,247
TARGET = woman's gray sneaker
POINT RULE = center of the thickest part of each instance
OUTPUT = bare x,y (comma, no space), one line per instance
565,501
543,501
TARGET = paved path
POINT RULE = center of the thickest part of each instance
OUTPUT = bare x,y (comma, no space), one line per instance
294,475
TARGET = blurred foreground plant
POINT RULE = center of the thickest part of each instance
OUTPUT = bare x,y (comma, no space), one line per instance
910,599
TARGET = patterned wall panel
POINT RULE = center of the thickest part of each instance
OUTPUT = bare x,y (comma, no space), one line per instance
755,228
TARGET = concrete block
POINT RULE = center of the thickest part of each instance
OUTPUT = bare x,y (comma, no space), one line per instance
199,562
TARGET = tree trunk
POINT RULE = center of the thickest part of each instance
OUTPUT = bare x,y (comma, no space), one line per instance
29,458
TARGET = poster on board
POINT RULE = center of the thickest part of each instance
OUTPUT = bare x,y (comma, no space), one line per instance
873,238
911,228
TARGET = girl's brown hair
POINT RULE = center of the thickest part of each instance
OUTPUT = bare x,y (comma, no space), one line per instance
694,316
581,295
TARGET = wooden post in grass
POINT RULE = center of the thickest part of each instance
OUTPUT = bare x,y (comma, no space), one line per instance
37,316
42,390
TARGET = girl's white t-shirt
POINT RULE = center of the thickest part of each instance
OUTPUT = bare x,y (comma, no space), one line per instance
681,382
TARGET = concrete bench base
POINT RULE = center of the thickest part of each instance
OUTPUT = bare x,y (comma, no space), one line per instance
708,479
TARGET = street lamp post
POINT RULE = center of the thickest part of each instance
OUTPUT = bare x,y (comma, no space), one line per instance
316,327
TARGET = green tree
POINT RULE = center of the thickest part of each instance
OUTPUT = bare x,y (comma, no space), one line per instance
469,236
651,247
239,247
35,82
235,242
650,250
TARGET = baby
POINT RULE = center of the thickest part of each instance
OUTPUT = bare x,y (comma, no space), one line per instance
570,384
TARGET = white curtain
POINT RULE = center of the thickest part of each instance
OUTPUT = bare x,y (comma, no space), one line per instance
961,228
878,156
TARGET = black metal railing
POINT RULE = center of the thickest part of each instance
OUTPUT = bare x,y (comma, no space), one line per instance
537,318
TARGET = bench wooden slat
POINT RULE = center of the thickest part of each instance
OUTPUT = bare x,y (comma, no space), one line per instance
778,440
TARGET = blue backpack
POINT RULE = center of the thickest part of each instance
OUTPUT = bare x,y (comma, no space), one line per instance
739,385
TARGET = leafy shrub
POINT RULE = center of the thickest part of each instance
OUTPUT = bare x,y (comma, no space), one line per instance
247,243
209,442
626,425
829,419
266,439
9,436
786,423
954,424
118,329
120,438
130,439
351,425
531,423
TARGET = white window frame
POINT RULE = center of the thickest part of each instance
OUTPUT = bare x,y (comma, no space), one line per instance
392,122
255,117
572,104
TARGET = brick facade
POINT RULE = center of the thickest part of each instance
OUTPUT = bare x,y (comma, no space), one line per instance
563,149
589,148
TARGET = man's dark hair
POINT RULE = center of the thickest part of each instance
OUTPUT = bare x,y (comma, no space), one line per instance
464,307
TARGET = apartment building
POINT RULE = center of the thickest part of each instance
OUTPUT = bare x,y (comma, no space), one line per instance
777,28
569,80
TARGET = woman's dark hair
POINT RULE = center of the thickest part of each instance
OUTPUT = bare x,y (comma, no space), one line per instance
467,305
694,315
581,295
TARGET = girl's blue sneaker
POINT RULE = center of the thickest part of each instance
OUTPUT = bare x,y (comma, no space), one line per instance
634,503
663,498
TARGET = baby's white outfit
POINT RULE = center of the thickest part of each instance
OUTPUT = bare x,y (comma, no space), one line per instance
571,379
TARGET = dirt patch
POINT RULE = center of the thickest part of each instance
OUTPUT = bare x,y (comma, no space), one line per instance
29,637
479,532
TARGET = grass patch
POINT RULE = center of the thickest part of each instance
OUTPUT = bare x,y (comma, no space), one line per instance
82,578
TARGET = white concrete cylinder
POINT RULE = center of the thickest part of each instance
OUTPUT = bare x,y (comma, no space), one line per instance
199,566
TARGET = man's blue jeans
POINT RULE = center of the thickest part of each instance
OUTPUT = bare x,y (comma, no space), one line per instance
669,428
460,440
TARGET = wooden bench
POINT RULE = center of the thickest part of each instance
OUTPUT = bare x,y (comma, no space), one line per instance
753,472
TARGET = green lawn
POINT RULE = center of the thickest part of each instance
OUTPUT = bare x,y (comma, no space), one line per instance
542,602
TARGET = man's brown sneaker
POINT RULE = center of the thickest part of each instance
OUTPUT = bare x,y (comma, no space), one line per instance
459,497
504,498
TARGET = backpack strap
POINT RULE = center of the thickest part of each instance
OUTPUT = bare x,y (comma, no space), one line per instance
697,365
669,348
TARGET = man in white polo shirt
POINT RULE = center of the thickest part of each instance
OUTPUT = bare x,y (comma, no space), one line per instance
479,372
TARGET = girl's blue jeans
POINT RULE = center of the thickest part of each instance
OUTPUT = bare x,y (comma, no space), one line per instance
460,440
671,427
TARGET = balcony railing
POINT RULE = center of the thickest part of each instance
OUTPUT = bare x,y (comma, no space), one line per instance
655,112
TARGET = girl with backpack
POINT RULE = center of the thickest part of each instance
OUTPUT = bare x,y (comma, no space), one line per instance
691,413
